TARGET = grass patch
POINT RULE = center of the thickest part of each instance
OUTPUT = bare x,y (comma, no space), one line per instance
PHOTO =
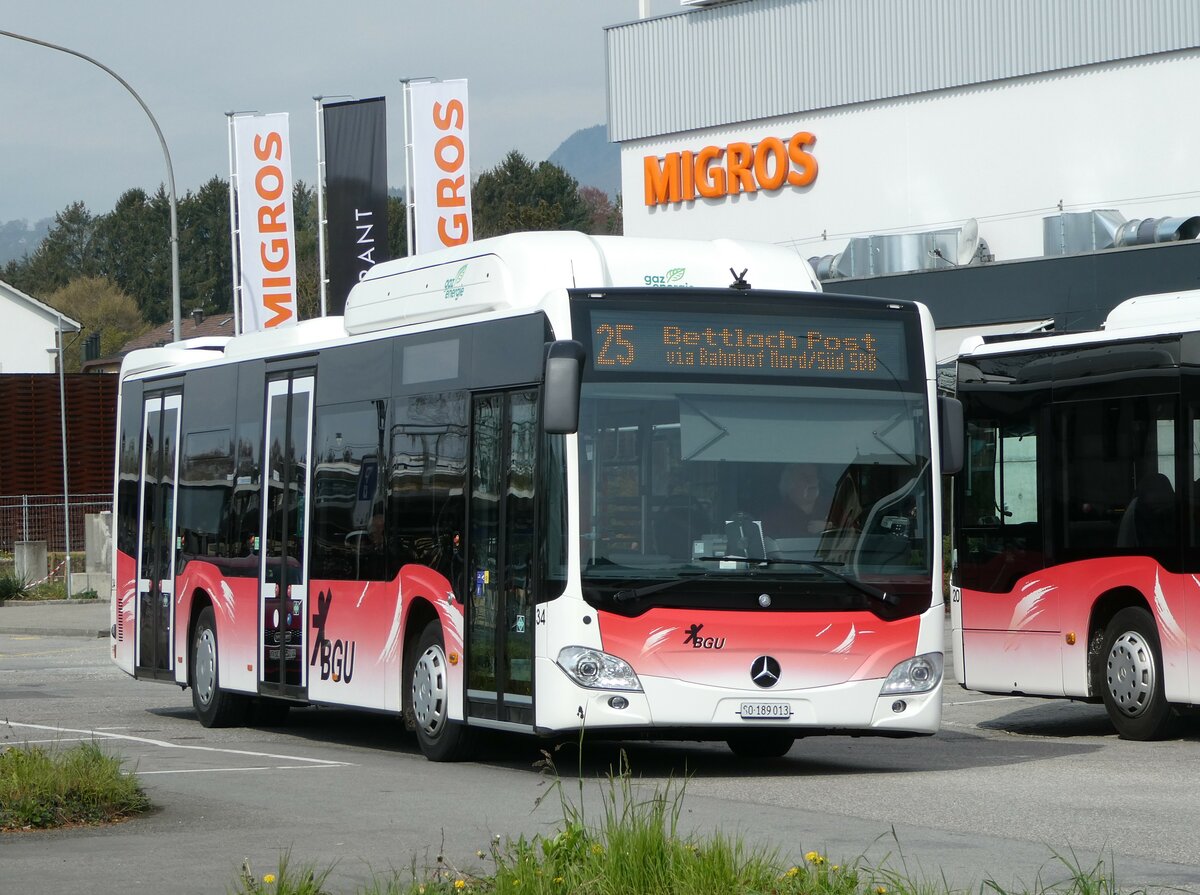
636,846
41,789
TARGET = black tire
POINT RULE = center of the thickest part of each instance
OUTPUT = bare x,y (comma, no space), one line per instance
440,738
214,706
761,743
1131,677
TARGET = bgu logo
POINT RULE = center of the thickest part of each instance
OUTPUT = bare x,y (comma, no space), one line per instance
693,637
337,657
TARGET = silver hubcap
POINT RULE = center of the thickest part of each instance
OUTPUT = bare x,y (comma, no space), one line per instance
205,672
1131,673
429,691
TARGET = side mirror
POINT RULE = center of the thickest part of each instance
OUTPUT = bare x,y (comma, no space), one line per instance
950,434
560,398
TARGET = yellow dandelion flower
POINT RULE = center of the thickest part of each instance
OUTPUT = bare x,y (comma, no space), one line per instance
814,857
269,878
597,848
881,890
836,867
559,880
460,884
792,871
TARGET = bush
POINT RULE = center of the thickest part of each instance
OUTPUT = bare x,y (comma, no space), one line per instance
13,586
81,785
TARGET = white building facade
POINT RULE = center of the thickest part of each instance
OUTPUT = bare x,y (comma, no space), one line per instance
828,124
29,333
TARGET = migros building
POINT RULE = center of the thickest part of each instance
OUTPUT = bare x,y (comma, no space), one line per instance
1016,164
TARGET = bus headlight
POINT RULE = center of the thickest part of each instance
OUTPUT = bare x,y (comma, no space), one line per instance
597,670
920,674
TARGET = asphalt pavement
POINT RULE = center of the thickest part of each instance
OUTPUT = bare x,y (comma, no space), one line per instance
55,618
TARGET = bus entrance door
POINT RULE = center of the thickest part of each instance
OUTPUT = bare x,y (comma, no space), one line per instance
156,550
283,575
501,550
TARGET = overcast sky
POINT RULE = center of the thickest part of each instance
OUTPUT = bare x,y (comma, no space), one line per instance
68,131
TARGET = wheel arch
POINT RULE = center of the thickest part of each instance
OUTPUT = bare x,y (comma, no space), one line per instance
201,600
1107,605
420,612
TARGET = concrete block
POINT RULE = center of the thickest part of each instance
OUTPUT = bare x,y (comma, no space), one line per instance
100,582
31,561
97,540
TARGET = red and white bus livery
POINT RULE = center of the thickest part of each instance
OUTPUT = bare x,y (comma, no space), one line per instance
1076,536
547,482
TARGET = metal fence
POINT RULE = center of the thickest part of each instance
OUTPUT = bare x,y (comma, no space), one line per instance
39,517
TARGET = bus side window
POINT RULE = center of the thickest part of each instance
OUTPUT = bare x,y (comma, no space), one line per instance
1001,531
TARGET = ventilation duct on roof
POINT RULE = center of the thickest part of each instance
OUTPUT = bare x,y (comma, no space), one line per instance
868,256
1073,232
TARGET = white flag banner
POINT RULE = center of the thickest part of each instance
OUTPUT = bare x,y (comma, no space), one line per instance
441,166
266,231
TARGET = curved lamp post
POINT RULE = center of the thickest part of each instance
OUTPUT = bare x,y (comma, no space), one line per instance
175,304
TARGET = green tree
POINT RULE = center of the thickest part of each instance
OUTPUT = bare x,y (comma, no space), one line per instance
100,306
68,251
397,227
205,263
308,271
518,195
134,250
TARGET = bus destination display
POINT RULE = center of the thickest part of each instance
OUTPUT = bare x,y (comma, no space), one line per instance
665,342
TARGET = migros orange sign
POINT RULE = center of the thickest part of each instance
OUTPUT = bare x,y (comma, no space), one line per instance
718,171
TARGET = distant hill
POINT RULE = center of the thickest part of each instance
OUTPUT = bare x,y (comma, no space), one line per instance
588,157
20,238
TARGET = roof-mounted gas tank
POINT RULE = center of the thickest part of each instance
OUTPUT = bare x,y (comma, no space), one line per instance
516,271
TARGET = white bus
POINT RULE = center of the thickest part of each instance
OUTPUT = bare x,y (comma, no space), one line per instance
1077,538
531,484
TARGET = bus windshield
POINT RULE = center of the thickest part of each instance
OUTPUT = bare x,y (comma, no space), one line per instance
724,480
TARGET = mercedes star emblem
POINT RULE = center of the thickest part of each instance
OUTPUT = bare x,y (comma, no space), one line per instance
765,671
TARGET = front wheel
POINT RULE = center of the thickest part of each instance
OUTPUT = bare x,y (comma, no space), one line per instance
214,706
1132,677
760,743
440,738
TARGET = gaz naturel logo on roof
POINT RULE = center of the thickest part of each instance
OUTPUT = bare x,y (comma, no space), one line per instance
674,275
454,291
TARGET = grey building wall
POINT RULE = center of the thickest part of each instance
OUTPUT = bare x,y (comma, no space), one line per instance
756,59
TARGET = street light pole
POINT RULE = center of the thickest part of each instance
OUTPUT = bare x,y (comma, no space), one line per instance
175,304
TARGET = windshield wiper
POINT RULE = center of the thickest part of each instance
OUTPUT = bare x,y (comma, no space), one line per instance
628,595
862,587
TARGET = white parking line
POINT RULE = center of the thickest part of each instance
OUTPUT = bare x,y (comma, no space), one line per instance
56,740
164,744
278,767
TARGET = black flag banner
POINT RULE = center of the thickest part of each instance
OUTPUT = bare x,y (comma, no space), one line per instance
355,193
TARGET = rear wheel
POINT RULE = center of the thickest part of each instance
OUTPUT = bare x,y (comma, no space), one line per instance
214,707
440,738
760,743
1132,677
